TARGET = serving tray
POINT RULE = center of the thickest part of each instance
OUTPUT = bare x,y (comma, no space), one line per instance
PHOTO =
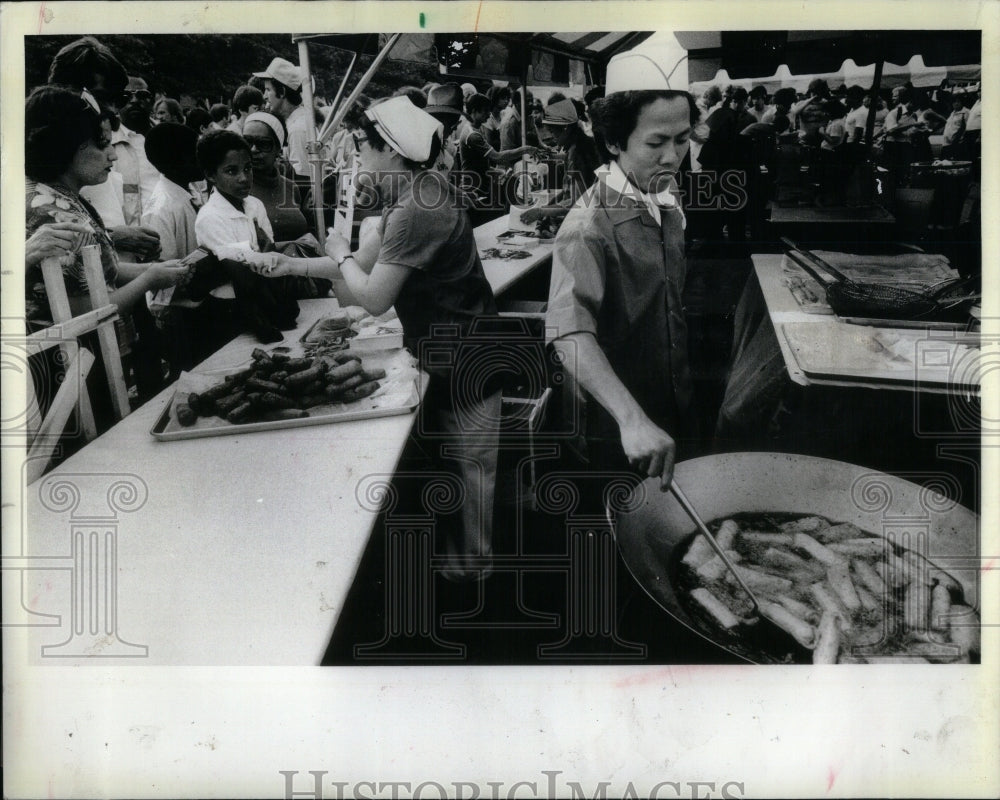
398,394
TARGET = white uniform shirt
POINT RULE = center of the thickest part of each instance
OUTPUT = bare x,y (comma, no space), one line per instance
220,223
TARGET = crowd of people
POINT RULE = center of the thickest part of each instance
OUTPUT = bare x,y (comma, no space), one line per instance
204,217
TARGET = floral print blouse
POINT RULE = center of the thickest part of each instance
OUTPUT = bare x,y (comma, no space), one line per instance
46,203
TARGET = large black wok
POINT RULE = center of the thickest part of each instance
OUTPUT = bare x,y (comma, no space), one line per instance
653,533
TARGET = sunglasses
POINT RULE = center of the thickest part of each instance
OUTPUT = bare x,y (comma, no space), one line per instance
261,143
141,95
358,140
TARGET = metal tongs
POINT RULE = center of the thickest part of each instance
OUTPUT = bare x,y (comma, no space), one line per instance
689,509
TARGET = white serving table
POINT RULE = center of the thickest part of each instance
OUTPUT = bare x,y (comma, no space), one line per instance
504,273
235,549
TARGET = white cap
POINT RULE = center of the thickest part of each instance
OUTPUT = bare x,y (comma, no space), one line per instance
658,63
284,72
406,129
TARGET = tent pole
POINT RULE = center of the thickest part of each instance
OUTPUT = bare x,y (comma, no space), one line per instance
524,132
336,99
873,107
314,148
338,116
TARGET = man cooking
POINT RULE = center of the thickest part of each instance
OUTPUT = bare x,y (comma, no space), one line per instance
614,312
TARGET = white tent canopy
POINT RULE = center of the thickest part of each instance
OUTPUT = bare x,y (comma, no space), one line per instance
851,74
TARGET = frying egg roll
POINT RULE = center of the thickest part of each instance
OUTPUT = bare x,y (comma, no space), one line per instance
802,631
840,581
714,606
838,533
868,577
715,567
827,640
870,547
940,607
727,534
820,552
826,600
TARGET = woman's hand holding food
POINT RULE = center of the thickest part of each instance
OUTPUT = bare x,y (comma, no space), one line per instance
164,274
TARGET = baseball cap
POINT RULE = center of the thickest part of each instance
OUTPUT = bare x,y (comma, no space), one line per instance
284,72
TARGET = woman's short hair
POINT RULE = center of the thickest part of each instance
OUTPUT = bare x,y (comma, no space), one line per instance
477,103
214,145
615,116
57,121
219,112
247,96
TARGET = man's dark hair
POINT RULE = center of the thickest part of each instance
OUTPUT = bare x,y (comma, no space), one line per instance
293,96
57,121
197,118
219,112
595,93
758,91
245,97
785,97
80,62
213,146
819,87
376,141
355,116
417,96
170,146
172,106
477,103
615,117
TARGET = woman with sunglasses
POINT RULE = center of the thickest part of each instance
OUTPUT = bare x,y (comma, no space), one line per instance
282,200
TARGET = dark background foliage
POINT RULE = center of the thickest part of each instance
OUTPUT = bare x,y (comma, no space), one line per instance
212,66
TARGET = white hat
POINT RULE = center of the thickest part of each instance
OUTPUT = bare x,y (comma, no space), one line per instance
406,129
284,72
657,65
271,121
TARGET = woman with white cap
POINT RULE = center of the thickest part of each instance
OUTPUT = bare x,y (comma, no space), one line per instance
615,313
428,267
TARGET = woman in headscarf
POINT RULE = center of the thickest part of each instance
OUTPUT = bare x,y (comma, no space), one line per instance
282,200
428,268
